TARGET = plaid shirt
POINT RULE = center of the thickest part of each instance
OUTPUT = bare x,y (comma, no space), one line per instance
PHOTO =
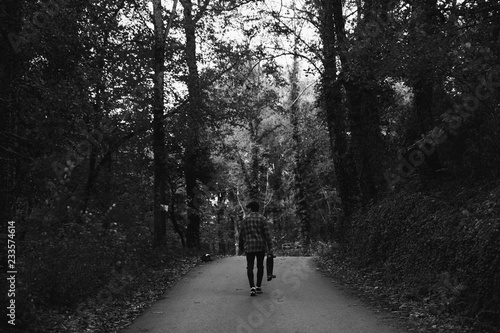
254,234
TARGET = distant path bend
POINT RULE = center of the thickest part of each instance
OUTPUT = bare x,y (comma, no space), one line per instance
215,297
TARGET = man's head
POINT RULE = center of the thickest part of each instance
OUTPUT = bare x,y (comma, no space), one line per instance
253,206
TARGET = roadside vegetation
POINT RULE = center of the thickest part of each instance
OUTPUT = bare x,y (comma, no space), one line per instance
430,257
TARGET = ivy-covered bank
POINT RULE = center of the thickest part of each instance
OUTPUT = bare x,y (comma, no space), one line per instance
91,293
432,255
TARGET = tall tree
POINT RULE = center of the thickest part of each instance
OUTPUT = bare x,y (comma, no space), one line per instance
425,18
100,69
193,124
424,32
363,93
333,106
160,195
301,204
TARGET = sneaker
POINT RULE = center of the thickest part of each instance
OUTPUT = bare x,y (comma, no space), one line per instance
253,291
258,290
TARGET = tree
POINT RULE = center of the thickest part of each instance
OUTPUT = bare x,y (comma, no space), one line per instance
193,145
160,196
363,78
423,75
301,204
332,103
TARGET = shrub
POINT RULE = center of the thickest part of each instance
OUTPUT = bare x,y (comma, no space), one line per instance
446,241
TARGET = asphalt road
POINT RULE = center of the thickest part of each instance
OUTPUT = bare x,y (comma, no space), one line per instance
215,297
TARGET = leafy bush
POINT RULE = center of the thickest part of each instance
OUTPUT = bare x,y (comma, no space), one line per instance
62,272
67,264
443,241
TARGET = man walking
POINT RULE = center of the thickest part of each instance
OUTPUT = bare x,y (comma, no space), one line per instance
254,240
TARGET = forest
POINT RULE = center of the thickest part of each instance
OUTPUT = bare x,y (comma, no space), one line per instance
133,133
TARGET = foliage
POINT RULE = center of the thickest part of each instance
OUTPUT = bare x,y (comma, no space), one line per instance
86,294
439,246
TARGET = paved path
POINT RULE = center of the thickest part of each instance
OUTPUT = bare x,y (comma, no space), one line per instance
216,298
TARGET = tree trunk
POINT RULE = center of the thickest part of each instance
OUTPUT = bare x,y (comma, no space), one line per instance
424,80
192,142
221,223
301,206
173,217
335,115
254,185
363,112
160,195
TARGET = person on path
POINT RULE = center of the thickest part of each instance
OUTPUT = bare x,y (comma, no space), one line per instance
254,240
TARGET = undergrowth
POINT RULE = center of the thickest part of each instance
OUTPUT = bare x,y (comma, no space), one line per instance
438,247
84,278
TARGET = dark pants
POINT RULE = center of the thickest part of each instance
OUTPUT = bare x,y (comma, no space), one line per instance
260,267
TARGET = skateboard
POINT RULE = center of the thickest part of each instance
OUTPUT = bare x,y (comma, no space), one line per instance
270,266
